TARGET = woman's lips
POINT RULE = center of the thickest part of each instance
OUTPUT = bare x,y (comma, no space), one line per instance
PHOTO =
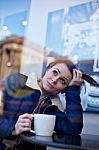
50,85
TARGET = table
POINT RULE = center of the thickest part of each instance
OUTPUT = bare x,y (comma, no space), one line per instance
62,141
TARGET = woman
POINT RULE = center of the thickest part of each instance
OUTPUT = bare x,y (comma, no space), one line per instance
60,76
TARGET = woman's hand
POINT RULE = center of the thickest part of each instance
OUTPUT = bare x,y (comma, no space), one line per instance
23,124
77,78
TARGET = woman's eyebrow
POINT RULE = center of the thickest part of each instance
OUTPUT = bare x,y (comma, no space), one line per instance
65,79
58,70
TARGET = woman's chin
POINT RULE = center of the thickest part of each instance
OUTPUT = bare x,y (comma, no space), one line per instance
48,90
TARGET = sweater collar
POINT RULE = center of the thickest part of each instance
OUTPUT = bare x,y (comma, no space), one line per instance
33,81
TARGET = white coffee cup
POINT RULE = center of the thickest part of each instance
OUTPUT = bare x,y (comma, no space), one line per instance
44,124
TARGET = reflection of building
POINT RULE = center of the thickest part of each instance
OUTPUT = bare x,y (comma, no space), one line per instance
10,55
19,55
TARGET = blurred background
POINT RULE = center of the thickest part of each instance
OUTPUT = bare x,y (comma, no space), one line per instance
13,22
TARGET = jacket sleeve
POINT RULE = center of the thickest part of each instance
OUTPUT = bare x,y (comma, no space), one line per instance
6,126
70,121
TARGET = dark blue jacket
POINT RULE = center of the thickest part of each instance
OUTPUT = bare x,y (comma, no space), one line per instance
20,99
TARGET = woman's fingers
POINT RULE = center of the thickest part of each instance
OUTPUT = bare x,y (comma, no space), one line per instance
26,115
77,74
77,78
23,123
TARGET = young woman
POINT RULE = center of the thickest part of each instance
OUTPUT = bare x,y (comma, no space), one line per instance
61,76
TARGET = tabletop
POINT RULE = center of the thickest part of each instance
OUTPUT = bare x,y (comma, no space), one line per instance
64,141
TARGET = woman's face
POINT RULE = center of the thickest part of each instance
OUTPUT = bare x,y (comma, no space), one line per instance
56,79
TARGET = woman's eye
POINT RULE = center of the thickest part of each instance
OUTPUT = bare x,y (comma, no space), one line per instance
55,73
62,81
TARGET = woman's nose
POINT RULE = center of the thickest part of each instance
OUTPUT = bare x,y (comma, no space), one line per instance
55,79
